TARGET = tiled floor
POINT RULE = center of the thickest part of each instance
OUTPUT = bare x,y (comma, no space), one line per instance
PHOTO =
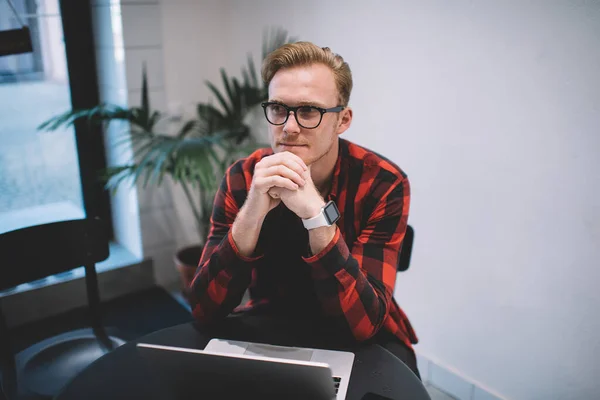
134,315
437,394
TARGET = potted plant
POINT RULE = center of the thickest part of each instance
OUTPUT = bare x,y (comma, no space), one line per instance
196,154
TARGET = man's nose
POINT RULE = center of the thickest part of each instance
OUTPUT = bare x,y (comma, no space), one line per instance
291,125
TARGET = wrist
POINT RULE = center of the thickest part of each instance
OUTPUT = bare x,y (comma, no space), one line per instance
320,238
313,209
249,220
245,231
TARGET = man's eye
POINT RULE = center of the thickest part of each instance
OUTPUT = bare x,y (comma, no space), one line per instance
308,112
277,109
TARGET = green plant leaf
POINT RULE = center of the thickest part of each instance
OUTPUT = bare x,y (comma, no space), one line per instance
114,176
145,101
252,71
219,97
229,92
237,101
154,118
186,129
142,147
212,117
245,77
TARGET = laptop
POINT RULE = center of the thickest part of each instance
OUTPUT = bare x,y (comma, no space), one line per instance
235,369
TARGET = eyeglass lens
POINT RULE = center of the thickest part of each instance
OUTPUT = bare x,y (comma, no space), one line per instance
306,116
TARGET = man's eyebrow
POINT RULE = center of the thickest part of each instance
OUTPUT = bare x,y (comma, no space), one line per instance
300,103
311,103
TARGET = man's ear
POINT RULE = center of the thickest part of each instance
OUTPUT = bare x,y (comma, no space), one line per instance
345,120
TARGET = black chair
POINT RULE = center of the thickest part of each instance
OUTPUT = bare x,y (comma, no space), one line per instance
406,250
33,253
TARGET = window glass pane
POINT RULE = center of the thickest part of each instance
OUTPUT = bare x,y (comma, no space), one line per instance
39,171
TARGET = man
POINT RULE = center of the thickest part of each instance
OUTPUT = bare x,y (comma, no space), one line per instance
313,226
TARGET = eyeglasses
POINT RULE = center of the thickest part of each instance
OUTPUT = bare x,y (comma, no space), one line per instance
308,117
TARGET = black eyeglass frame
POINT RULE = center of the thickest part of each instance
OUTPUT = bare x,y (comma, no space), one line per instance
295,110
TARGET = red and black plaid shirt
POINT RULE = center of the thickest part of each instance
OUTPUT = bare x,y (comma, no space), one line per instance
351,280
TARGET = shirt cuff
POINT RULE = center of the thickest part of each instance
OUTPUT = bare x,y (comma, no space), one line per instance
237,251
333,257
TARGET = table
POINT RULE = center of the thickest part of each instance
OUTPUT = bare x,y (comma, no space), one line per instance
121,374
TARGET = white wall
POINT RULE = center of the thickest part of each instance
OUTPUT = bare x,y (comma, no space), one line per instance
195,41
493,109
128,35
195,38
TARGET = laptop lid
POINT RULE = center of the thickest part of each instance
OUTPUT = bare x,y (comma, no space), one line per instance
340,362
195,374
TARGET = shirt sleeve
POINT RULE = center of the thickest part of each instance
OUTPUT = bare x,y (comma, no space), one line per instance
356,286
223,274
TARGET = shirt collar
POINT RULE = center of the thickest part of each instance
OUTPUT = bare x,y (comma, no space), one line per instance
335,181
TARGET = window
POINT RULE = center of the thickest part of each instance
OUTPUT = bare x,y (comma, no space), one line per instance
49,176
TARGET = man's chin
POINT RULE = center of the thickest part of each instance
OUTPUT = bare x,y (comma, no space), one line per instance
301,151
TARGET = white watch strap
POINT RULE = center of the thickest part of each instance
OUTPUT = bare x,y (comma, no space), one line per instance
316,222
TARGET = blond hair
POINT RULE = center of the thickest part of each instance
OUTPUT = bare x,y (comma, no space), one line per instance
306,53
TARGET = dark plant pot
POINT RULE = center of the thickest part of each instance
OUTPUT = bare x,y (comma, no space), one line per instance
186,262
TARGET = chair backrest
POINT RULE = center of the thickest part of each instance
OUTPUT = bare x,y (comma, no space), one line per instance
36,252
406,250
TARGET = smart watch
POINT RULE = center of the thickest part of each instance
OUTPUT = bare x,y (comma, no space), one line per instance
328,216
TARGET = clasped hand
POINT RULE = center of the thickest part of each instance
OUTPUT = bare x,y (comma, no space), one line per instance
284,177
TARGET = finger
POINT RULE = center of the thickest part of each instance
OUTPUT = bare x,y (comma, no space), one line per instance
289,168
295,166
284,171
266,183
306,175
275,192
287,158
286,155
